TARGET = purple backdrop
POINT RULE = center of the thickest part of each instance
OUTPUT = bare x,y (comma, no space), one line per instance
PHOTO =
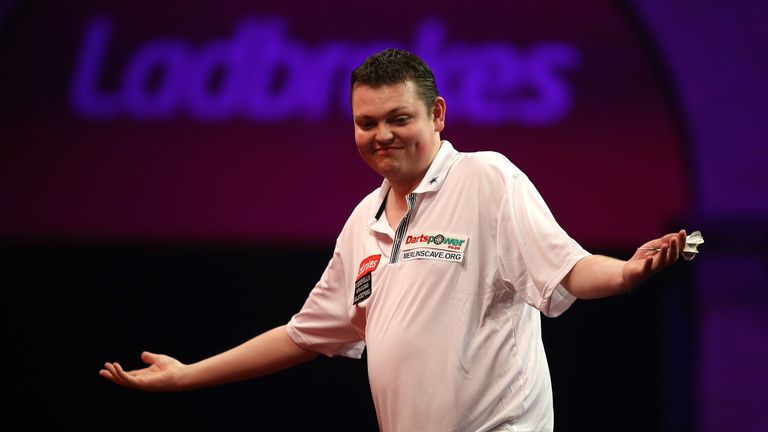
227,122
234,126
717,57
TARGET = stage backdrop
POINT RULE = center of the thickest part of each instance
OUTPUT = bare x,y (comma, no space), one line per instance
215,138
228,122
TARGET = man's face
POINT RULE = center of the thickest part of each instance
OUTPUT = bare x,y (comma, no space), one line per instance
394,132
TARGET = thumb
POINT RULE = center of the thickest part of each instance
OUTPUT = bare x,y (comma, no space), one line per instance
149,358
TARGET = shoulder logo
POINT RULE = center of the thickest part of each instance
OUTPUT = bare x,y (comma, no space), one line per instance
364,280
368,265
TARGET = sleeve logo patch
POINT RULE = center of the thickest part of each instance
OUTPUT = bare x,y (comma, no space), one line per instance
435,245
364,281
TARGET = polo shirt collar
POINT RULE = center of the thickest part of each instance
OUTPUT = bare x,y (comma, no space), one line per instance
435,176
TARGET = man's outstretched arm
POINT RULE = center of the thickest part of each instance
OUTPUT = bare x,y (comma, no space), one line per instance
600,276
266,353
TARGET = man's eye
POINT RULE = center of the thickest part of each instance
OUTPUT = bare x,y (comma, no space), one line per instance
401,120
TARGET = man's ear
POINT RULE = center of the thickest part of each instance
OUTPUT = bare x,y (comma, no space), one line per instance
438,114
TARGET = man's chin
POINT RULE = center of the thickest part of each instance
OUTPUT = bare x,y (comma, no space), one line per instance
388,169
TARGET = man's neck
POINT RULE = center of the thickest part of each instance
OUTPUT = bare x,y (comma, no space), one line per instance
398,190
396,206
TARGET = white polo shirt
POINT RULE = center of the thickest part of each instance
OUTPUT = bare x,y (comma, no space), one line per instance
448,304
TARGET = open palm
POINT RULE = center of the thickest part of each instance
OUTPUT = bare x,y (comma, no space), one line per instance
162,374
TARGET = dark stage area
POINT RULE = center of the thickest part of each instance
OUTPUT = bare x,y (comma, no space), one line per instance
68,309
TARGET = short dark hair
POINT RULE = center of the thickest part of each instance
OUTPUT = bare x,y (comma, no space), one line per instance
393,66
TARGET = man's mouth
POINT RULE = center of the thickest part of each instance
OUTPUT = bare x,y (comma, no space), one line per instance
386,150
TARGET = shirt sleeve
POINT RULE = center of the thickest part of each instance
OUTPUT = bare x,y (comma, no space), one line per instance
534,252
323,323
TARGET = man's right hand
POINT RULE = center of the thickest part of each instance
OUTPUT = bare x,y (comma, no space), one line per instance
162,374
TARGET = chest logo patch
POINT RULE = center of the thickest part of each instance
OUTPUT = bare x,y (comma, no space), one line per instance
364,281
436,246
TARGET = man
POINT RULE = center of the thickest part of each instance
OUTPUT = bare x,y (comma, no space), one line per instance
441,273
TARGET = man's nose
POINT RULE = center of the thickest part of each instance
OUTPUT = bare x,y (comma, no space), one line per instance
384,134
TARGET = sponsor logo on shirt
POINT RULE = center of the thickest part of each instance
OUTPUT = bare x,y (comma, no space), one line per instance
368,265
436,246
364,282
438,241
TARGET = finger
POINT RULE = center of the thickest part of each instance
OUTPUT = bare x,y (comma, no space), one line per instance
669,253
682,236
674,249
105,373
113,375
657,244
125,379
681,241
667,237
663,257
